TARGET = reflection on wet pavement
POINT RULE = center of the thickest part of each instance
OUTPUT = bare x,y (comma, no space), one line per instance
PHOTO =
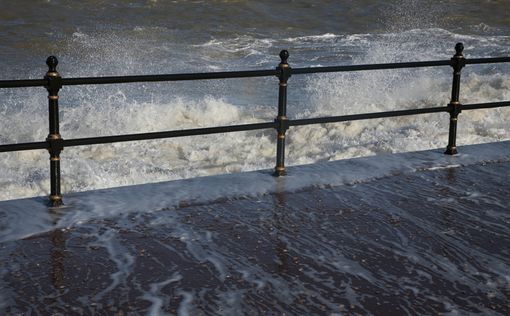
429,242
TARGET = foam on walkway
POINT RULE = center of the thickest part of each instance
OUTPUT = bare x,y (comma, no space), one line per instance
418,233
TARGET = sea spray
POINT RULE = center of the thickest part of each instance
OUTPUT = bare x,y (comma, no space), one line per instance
402,31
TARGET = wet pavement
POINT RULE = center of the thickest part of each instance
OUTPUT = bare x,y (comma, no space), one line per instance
429,242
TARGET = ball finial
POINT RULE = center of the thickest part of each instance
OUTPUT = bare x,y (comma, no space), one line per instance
459,48
284,55
52,63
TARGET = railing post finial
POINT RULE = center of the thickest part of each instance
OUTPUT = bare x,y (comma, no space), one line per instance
52,63
55,141
284,56
459,48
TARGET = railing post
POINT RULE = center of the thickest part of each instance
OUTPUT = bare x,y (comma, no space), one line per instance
454,107
55,144
282,124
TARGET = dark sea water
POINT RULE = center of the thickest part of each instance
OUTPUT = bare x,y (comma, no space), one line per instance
104,36
145,37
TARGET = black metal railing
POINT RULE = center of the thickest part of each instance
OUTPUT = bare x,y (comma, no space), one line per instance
53,82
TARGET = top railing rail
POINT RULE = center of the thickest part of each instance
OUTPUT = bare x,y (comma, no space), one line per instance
53,82
240,74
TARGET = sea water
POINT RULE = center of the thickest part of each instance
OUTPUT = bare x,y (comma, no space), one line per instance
101,38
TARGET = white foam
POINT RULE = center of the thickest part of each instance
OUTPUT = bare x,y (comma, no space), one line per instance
185,307
22,218
155,297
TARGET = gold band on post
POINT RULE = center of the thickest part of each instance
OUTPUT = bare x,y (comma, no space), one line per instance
55,197
54,136
55,200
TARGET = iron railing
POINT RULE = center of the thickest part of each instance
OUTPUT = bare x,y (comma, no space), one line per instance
53,82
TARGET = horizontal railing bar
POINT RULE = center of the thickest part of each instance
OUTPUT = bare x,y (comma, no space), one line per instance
23,146
239,128
371,67
23,83
167,134
238,74
489,105
492,60
169,77
365,116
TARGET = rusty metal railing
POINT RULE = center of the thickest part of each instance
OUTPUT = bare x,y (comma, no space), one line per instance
53,82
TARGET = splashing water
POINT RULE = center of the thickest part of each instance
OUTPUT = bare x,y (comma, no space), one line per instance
142,49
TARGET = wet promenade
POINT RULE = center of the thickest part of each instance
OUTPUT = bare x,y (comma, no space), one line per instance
432,239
